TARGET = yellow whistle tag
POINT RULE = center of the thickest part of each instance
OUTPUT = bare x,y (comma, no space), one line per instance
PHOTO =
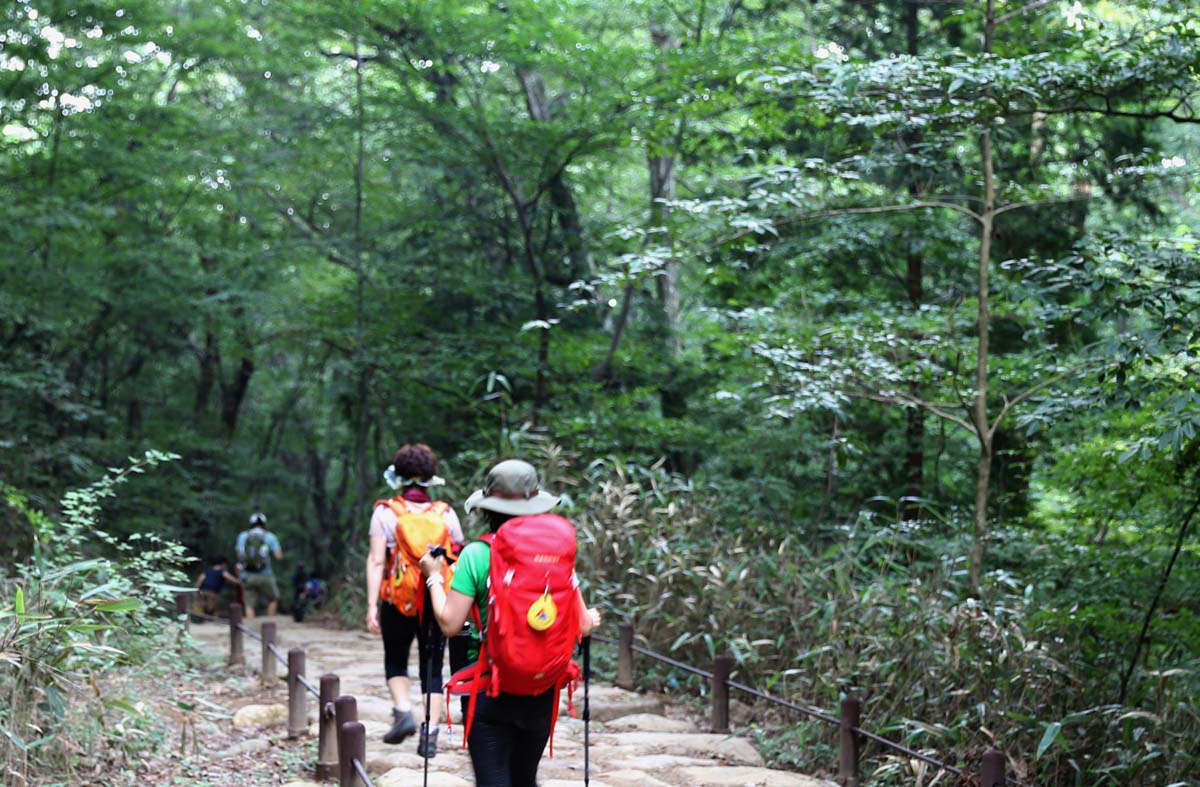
542,613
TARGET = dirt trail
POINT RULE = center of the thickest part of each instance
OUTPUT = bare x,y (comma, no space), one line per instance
633,742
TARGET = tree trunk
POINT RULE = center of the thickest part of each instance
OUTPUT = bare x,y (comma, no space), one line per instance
362,389
562,201
1162,586
982,427
914,432
234,394
208,360
661,166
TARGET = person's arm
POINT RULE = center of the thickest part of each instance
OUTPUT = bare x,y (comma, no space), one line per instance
278,553
455,528
449,609
199,580
240,548
589,618
375,559
230,577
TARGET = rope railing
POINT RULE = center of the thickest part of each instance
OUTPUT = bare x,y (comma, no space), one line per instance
341,738
341,748
851,732
311,688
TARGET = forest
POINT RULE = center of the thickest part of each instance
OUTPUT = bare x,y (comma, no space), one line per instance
861,336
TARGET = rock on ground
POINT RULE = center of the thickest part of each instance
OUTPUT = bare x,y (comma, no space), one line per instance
260,716
740,776
407,777
648,722
609,702
695,744
632,778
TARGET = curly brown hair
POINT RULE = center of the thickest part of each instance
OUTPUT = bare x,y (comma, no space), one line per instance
415,461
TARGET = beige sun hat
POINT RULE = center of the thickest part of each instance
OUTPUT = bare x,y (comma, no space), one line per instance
512,488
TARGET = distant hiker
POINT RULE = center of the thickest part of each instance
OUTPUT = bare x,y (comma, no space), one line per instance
210,583
299,580
309,595
255,548
518,583
402,530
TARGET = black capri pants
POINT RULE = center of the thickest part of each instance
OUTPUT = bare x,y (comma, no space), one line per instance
398,633
508,737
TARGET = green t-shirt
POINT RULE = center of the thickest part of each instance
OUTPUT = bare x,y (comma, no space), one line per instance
471,576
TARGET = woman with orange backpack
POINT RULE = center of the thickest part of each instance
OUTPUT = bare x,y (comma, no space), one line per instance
518,585
402,529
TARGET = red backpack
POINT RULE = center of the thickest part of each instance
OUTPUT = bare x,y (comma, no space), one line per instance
532,615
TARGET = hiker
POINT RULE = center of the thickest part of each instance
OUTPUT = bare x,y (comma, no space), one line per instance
311,594
210,583
255,548
513,719
402,529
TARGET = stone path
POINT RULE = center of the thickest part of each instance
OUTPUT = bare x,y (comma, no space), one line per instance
633,742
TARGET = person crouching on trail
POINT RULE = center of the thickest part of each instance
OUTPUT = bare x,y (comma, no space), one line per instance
518,585
210,583
402,529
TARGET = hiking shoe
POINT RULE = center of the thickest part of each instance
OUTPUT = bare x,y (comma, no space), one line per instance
427,745
403,725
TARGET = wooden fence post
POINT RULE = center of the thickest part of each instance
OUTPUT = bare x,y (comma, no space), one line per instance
625,657
237,654
347,746
351,747
297,695
345,708
327,748
848,747
269,672
992,769
722,667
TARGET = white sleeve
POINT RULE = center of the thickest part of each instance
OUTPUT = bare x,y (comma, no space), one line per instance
383,523
454,526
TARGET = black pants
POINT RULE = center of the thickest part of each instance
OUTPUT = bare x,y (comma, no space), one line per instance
508,737
398,633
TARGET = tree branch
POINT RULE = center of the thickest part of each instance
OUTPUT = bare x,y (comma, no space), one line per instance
1039,202
820,214
310,232
1035,5
913,401
1028,392
1109,111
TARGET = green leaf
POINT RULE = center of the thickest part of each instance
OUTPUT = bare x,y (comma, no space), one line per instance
19,603
117,604
1048,738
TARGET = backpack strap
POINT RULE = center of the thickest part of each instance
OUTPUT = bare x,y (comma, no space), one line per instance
470,680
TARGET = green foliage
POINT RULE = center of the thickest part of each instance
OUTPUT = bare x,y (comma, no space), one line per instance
286,237
84,604
875,609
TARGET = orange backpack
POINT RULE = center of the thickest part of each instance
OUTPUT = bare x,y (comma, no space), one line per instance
416,531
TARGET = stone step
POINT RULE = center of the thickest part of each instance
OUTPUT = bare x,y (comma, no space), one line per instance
632,742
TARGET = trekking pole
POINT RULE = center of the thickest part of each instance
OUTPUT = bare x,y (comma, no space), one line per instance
434,642
587,711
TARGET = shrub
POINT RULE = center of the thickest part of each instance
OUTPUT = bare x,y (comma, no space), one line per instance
82,604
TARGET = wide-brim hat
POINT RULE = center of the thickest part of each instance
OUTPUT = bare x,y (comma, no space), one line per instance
512,488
